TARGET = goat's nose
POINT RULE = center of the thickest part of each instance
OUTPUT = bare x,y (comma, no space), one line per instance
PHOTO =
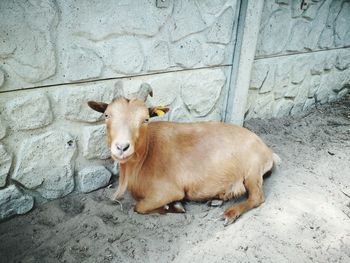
123,146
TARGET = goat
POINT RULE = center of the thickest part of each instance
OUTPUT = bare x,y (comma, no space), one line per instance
163,162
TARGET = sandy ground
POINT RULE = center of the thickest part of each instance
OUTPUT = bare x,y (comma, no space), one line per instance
306,216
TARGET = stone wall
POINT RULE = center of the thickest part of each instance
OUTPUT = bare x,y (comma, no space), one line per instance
57,55
302,58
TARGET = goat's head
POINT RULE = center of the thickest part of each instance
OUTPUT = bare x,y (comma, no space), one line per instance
127,122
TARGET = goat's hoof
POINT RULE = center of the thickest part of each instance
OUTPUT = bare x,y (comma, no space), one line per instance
215,203
230,217
178,207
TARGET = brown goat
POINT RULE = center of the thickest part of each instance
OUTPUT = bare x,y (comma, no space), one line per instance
163,162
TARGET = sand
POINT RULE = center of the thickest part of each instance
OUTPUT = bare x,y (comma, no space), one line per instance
305,218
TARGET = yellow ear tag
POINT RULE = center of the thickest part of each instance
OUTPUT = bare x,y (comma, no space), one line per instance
159,113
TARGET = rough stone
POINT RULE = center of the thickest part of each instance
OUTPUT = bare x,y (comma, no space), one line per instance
221,30
262,107
342,30
211,6
2,77
158,56
29,112
282,108
179,113
213,54
45,164
92,178
342,93
277,26
291,91
83,64
13,202
326,39
3,128
314,85
259,75
186,20
308,104
343,60
31,26
165,88
113,18
201,90
74,101
300,69
187,52
299,36
125,55
95,143
5,165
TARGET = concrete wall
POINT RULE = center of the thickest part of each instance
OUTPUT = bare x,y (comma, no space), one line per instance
57,55
302,57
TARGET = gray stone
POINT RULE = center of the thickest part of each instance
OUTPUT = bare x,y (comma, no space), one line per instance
165,88
342,30
158,56
187,52
309,103
3,128
29,112
83,64
74,101
2,77
263,77
201,90
291,91
262,106
299,36
221,30
326,39
5,165
213,54
179,113
269,82
342,93
92,178
186,20
98,20
282,108
300,69
211,6
343,60
45,164
125,55
31,26
95,142
277,26
13,202
317,68
314,85
259,75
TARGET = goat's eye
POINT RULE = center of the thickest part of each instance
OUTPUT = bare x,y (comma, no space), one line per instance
107,116
146,120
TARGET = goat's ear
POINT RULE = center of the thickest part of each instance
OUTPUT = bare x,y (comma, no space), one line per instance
157,111
98,106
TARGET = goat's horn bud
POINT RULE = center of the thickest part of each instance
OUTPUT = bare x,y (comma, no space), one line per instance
145,90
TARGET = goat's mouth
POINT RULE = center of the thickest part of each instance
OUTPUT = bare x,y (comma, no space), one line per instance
121,158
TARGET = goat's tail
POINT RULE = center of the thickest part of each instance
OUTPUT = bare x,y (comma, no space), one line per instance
276,161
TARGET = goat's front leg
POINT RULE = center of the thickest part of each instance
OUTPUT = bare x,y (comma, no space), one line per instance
162,204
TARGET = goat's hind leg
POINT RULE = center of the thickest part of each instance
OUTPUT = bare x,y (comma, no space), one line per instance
253,185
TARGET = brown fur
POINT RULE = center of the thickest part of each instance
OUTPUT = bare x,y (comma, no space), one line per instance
169,161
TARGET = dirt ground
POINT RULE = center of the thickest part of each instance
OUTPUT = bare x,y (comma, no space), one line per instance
305,218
